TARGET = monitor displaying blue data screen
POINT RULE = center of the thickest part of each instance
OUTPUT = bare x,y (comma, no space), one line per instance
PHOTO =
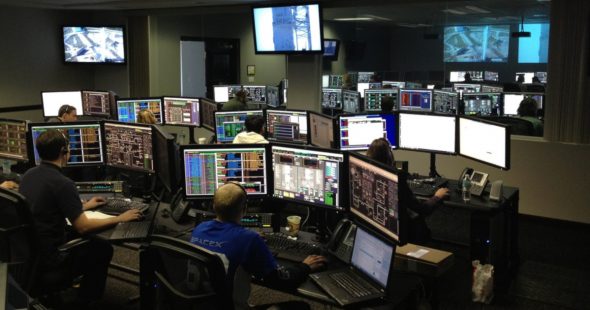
446,102
129,146
534,49
308,175
208,167
427,132
331,48
287,125
415,100
487,43
332,98
85,141
182,111
357,132
374,195
289,29
229,124
493,150
128,109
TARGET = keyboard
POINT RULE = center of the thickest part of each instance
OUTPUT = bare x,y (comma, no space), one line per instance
426,187
350,285
131,230
294,250
116,206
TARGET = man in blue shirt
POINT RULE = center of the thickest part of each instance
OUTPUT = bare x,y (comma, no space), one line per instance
245,248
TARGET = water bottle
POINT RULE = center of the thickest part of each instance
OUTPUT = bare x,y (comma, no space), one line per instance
466,188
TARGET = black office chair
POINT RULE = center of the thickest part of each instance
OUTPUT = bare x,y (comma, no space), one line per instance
176,274
518,126
19,247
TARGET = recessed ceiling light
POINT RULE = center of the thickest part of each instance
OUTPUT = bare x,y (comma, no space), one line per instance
348,19
377,17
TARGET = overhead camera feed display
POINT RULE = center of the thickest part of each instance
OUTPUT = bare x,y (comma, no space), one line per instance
476,43
94,44
534,49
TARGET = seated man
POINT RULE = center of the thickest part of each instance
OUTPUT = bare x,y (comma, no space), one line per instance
238,103
254,130
66,113
527,110
53,199
245,248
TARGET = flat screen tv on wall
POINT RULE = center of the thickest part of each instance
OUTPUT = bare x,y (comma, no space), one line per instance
94,44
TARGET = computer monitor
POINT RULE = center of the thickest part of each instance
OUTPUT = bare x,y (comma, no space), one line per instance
181,111
331,48
413,85
308,175
166,159
445,102
491,89
208,109
374,197
351,101
325,80
13,140
511,103
256,93
85,138
228,124
476,75
485,141
373,98
332,98
53,100
466,88
287,126
457,76
336,81
364,77
357,132
96,103
483,104
207,167
129,146
539,98
397,84
222,93
129,108
361,87
415,100
273,96
321,130
428,133
491,76
372,256
542,76
528,76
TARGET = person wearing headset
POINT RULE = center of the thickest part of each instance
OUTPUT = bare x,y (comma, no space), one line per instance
146,116
66,113
419,233
53,198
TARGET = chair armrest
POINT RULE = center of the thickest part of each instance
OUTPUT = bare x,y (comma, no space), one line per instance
72,244
176,292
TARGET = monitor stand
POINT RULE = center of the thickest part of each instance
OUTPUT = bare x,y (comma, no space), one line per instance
433,173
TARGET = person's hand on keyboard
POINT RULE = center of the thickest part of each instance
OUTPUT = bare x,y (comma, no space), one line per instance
315,262
94,203
130,215
442,193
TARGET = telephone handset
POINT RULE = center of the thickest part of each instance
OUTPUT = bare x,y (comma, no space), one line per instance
341,242
179,206
478,180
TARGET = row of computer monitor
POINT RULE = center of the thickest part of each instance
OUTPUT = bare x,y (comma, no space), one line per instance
481,76
269,95
477,99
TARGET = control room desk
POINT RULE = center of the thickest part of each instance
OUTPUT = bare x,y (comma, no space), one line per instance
493,226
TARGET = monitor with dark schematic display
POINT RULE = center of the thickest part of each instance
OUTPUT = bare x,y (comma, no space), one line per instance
130,146
287,125
332,98
207,167
428,133
228,124
308,175
356,132
255,94
483,104
128,109
13,139
494,150
374,197
96,103
208,109
446,102
181,111
85,140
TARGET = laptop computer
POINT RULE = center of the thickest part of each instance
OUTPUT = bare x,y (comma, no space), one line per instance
367,277
135,230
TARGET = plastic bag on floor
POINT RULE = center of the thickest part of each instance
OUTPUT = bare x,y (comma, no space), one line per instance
482,288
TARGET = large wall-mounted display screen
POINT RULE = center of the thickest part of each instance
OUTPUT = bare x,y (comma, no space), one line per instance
476,43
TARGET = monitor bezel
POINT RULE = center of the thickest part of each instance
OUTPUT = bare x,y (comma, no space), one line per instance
31,147
266,111
171,164
163,111
488,122
321,28
78,113
434,91
125,45
334,127
399,99
342,172
500,108
333,57
129,168
217,107
138,99
26,158
423,149
396,133
98,115
267,162
229,112
333,90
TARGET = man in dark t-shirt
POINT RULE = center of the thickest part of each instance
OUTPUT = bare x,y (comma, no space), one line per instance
53,198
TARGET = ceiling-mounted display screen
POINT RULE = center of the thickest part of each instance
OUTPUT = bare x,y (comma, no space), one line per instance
476,43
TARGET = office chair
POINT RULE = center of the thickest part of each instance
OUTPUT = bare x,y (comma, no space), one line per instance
19,247
176,274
